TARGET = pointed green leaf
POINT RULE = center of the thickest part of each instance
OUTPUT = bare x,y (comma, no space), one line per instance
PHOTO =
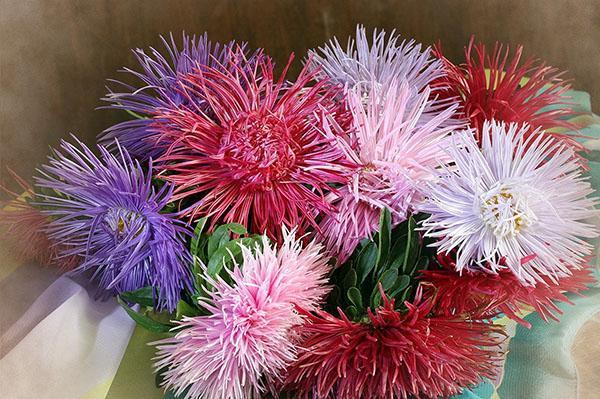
412,247
145,321
144,296
384,236
197,233
400,285
355,297
388,279
228,252
351,312
221,236
185,309
366,261
350,279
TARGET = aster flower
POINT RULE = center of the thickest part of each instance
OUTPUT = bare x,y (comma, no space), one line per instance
396,153
105,211
540,102
159,87
486,295
246,341
263,160
509,205
392,354
378,63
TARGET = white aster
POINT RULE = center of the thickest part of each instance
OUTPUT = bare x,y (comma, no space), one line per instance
514,203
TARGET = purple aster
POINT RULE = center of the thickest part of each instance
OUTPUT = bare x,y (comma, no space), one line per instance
159,87
105,211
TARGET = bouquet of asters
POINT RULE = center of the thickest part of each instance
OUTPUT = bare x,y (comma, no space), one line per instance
353,233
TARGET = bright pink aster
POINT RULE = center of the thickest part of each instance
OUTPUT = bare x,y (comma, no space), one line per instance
393,354
246,342
486,295
540,102
262,158
396,141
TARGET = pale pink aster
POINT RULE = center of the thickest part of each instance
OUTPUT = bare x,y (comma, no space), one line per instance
519,202
396,150
243,346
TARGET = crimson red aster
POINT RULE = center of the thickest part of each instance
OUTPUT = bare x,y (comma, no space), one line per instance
491,85
481,294
262,158
393,354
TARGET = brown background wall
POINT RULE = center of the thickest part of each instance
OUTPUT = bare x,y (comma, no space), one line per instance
55,55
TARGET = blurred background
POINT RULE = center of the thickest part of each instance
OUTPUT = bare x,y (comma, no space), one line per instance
55,55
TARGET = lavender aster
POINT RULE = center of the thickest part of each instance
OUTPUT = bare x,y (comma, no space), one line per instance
105,211
380,62
519,202
160,88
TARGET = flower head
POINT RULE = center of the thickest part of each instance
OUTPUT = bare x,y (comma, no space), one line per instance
492,86
263,159
481,294
246,341
160,87
379,63
105,211
519,202
393,354
396,152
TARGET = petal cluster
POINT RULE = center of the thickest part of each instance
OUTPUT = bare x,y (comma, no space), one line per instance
242,347
105,211
395,148
392,354
262,159
519,202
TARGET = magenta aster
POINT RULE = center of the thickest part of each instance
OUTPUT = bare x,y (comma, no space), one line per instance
246,342
262,159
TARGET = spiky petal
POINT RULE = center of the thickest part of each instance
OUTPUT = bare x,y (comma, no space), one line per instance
246,341
396,152
379,63
491,86
519,202
105,211
159,87
393,354
263,159
481,294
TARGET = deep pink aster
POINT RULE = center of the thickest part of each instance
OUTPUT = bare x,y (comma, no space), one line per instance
246,342
393,354
262,159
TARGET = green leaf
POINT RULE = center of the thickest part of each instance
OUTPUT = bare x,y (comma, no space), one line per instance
375,298
185,309
197,234
412,247
400,285
350,279
388,279
385,236
351,312
144,296
221,236
366,261
355,297
228,252
144,321
334,297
